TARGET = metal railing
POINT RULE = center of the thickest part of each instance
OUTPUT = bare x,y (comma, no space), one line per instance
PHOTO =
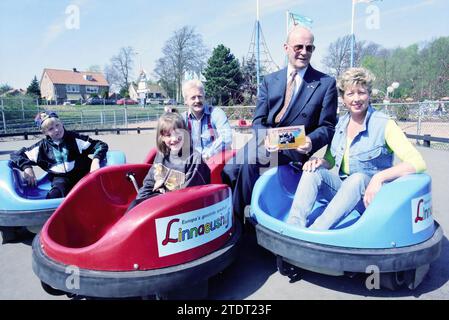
18,115
422,119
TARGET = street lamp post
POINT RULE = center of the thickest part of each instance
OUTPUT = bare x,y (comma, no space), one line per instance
352,33
257,47
390,90
354,2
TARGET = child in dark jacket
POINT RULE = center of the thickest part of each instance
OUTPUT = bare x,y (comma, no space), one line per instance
176,165
63,154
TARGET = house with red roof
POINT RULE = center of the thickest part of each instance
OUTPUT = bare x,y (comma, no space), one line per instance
71,85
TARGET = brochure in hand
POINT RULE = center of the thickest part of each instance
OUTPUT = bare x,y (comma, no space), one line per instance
287,137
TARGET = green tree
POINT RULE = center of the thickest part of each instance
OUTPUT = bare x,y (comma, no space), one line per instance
124,92
435,69
404,64
249,80
34,89
223,76
5,88
421,69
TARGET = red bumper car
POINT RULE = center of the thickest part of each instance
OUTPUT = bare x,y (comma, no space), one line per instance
165,246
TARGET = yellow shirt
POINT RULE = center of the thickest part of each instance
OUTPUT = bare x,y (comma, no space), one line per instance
396,141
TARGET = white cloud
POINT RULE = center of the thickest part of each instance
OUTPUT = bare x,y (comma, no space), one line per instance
53,32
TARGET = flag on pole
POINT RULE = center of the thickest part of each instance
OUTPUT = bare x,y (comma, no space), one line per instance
301,20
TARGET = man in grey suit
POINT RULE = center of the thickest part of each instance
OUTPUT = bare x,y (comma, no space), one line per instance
295,95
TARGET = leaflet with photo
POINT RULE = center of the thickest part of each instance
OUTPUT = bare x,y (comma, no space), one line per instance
287,137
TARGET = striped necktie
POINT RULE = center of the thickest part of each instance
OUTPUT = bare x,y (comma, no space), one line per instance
288,96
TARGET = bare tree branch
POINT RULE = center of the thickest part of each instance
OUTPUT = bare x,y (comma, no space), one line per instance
183,53
118,72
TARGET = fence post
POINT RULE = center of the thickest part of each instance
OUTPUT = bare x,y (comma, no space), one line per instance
3,117
115,120
23,111
126,117
81,116
426,140
418,126
102,118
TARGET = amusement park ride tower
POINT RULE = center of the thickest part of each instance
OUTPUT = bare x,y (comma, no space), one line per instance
258,49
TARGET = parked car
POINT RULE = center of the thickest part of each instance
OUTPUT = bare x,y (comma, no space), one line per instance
154,101
170,101
126,101
99,101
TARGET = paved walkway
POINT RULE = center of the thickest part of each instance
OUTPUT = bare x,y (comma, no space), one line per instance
253,275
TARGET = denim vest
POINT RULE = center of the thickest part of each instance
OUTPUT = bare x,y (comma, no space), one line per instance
368,152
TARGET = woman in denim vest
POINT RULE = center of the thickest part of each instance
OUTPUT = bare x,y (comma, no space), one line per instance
361,150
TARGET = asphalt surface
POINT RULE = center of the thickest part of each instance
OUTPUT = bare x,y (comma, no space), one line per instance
253,275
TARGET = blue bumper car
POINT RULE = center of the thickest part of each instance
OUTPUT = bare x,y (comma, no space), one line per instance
24,206
395,236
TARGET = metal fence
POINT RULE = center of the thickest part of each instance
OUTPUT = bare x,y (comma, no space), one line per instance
17,115
429,118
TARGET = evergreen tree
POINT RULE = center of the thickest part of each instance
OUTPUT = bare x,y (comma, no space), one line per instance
124,92
5,88
33,89
249,83
223,76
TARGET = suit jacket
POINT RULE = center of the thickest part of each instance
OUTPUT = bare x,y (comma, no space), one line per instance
314,106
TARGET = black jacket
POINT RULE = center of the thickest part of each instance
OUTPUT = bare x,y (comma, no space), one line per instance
315,107
68,156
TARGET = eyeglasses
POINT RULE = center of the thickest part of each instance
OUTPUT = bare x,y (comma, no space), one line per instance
299,47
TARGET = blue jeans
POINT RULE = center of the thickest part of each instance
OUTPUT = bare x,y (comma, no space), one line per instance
343,197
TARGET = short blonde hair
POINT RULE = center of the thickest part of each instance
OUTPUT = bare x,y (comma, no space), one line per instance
168,121
191,84
355,76
49,122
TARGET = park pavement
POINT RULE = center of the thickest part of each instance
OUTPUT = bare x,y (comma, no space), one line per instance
253,275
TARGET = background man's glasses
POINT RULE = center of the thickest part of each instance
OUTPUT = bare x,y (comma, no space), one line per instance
299,47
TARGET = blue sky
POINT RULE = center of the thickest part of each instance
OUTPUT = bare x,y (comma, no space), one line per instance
34,33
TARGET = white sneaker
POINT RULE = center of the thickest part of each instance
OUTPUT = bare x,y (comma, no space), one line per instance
296,221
